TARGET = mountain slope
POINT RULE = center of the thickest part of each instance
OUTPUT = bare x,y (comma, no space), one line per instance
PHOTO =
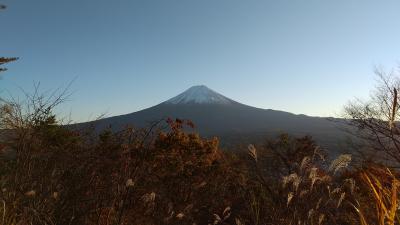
215,114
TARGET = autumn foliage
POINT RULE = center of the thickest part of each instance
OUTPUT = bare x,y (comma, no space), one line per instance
167,174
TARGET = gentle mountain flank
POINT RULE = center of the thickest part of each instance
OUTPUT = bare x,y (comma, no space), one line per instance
216,115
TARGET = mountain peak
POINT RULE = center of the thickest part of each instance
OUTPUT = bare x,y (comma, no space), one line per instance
200,94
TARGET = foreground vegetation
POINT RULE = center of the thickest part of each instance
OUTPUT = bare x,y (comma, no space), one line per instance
163,175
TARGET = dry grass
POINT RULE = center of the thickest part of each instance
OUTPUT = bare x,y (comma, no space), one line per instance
383,186
309,193
158,176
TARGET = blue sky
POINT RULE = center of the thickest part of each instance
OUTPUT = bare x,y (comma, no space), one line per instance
302,56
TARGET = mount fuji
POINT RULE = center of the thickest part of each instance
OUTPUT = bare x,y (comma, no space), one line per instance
216,115
200,95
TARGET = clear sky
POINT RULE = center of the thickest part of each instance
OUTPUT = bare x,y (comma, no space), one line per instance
302,56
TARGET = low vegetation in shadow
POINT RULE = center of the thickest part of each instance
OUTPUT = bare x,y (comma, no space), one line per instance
51,174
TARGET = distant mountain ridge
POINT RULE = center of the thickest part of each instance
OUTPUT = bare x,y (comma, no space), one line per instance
216,115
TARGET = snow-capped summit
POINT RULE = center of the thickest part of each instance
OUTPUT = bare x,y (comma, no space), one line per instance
200,94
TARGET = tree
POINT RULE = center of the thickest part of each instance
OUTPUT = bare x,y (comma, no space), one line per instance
4,60
376,119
